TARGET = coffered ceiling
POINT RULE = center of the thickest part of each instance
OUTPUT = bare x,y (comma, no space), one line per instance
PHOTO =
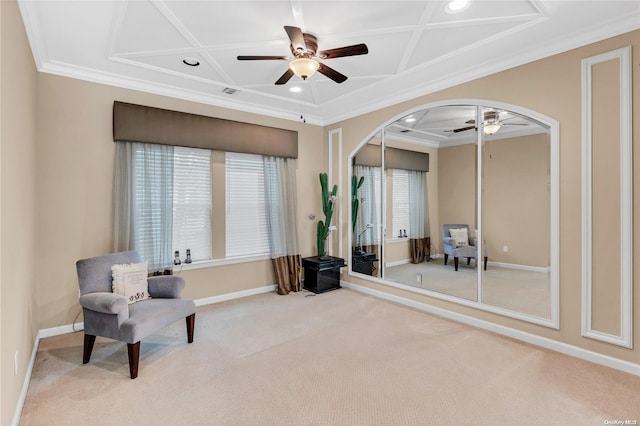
415,47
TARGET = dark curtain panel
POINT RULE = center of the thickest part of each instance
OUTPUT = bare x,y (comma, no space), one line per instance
288,270
420,249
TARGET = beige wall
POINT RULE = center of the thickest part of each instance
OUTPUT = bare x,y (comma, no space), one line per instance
75,171
551,86
606,241
457,188
18,310
516,200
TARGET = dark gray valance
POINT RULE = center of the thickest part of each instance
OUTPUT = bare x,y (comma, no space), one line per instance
394,158
138,123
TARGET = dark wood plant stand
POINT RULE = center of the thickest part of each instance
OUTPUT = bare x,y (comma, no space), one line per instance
322,273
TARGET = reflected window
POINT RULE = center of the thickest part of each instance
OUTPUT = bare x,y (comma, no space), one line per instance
401,221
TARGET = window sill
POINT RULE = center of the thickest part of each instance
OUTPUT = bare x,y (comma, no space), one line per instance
396,240
219,262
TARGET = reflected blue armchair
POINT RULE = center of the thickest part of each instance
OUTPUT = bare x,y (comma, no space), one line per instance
451,248
109,315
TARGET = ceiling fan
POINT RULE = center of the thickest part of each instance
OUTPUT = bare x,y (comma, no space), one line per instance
491,123
304,47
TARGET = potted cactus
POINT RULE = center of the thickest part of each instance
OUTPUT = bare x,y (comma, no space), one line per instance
322,272
328,201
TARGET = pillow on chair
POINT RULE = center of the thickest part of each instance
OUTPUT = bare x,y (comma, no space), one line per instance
130,280
460,235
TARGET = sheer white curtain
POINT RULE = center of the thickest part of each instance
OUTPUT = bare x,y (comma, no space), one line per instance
281,205
418,204
370,206
143,202
418,216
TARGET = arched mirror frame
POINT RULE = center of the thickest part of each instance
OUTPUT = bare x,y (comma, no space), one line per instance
554,237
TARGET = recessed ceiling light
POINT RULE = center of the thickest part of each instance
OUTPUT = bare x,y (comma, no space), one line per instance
192,62
456,6
410,119
295,89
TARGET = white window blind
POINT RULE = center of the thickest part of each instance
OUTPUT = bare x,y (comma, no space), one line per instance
192,202
401,219
246,214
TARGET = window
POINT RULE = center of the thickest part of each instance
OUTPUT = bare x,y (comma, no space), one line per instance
400,203
192,202
170,208
246,215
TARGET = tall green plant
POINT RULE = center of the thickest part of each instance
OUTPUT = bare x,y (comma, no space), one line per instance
355,202
328,201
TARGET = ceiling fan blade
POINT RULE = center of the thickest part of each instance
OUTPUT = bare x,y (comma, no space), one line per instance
356,49
285,77
262,58
296,37
463,129
332,74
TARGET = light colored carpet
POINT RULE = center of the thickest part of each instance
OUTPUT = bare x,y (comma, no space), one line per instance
521,291
339,358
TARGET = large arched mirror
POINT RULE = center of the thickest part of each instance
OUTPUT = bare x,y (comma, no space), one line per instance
468,212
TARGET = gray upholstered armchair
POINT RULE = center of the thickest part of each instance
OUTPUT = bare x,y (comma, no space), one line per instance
459,249
109,315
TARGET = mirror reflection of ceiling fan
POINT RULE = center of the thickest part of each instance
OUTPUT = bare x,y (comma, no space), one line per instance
490,125
304,64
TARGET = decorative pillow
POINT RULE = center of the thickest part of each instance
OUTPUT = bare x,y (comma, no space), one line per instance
460,235
130,280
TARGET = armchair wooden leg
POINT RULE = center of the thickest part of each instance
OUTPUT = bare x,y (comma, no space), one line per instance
89,340
446,258
191,321
134,358
455,262
485,263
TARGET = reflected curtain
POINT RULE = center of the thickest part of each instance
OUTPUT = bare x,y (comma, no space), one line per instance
143,202
418,216
281,204
369,212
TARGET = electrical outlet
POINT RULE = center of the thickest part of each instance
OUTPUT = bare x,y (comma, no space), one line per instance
505,249
15,363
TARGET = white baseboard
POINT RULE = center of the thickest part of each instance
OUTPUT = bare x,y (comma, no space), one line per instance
71,328
63,329
520,267
397,263
25,384
618,364
235,295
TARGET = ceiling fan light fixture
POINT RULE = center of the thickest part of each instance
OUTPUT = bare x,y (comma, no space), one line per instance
304,67
456,6
491,127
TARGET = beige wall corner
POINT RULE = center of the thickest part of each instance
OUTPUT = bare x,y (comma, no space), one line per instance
18,290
